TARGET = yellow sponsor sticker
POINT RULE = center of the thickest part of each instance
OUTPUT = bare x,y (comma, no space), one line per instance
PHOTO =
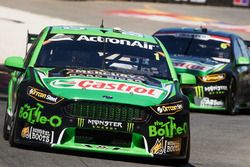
158,54
157,57
224,45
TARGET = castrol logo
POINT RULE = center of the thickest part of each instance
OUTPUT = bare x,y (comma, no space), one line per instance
107,86
192,66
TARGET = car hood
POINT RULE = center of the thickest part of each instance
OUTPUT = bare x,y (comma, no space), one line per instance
197,67
80,86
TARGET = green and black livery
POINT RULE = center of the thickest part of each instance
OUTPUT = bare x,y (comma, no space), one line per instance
220,62
98,90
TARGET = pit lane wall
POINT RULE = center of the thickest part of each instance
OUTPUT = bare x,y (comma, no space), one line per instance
227,3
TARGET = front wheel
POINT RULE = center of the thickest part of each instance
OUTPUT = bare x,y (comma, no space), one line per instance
13,131
186,159
6,132
231,99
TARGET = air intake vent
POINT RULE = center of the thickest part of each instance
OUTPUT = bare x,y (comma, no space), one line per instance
105,111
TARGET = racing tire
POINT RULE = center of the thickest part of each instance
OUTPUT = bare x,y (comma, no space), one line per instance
186,159
231,99
13,132
6,133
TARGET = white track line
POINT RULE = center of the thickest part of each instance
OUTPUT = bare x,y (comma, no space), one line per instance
13,29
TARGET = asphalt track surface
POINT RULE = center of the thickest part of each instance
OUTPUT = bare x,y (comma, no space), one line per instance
217,140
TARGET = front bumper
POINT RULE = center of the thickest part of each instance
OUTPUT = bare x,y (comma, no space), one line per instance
159,136
207,96
136,147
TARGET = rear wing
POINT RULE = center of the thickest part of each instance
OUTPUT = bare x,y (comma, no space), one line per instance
31,38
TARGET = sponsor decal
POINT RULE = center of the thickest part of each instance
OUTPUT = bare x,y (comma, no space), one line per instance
107,86
169,108
130,127
80,122
211,102
158,55
212,78
105,125
117,41
109,125
192,66
25,132
42,96
211,90
216,88
159,147
36,134
153,14
174,146
167,129
199,91
33,115
107,97
162,146
203,37
105,74
224,45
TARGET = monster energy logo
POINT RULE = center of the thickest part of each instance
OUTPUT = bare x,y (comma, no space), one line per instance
104,125
80,122
130,127
199,91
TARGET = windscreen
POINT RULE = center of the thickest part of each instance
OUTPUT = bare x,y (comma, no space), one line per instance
105,53
213,47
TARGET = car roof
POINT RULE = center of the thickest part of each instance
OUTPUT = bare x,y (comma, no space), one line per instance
109,32
197,31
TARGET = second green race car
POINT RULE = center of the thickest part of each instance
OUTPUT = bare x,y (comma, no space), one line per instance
220,61
98,90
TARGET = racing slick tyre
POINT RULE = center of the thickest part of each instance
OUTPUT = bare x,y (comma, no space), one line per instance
185,160
231,99
5,127
13,131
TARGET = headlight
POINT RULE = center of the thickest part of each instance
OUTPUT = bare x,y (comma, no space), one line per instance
43,96
213,78
168,108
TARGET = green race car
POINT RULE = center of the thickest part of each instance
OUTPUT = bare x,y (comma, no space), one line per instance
219,60
98,90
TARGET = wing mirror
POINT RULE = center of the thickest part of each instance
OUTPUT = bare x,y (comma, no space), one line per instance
15,63
186,79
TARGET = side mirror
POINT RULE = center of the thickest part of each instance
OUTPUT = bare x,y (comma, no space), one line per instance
31,38
15,63
243,61
187,79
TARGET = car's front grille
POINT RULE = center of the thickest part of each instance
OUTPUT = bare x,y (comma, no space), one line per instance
105,111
